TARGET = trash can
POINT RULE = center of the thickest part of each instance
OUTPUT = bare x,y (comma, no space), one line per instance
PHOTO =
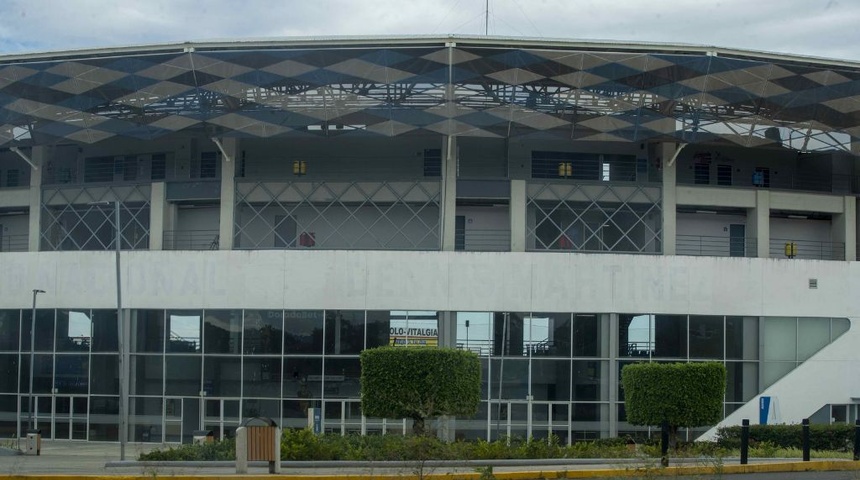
203,436
34,442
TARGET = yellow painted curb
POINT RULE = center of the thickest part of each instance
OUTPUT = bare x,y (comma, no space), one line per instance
632,471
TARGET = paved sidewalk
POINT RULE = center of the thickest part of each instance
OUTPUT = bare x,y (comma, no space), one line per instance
99,459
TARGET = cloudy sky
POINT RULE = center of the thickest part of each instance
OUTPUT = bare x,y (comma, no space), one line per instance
825,28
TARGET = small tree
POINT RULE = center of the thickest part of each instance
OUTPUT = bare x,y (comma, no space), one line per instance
419,383
682,394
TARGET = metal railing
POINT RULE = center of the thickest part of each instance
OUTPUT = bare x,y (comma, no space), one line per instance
806,249
191,240
713,246
483,240
836,183
14,243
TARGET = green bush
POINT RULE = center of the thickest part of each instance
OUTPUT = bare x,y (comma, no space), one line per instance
223,450
419,383
838,438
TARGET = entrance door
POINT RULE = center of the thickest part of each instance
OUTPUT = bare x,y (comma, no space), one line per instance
221,415
737,240
70,418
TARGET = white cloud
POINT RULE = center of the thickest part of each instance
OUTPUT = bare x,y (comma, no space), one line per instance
810,27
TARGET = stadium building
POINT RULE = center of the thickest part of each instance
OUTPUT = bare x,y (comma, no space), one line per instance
560,208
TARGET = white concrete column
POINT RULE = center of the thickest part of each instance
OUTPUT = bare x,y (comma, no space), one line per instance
670,205
156,216
517,209
844,227
758,223
228,192
449,193
39,156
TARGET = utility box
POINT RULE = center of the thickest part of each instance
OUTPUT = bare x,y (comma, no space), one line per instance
203,436
258,439
34,442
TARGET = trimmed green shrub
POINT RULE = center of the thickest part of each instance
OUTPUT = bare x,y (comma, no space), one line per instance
223,450
419,383
839,437
682,394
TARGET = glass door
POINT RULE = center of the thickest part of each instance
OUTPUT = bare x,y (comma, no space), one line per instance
221,415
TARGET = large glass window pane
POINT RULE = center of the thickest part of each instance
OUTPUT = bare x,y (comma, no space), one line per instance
182,375
147,330
148,372
344,331
145,419
105,335
780,338
262,377
670,336
558,327
183,330
840,326
742,338
408,327
475,331
44,340
9,373
509,333
10,323
71,374
105,375
590,380
303,377
706,337
263,332
303,332
342,378
43,373
741,381
550,380
74,330
813,334
773,371
588,336
8,416
635,335
222,376
222,331
254,407
514,374
104,419
379,328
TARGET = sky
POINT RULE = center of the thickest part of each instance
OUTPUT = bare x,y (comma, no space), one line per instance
823,28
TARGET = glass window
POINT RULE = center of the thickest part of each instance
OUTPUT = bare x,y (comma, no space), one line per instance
550,380
379,328
303,332
344,331
741,381
590,380
840,326
9,373
670,336
104,417
813,334
71,374
588,336
105,334
253,407
222,376
302,377
44,341
635,335
147,329
183,328
706,337
475,331
742,338
10,322
262,377
514,374
780,338
43,373
105,374
145,421
773,371
148,375
558,327
74,330
342,378
263,332
182,375
222,331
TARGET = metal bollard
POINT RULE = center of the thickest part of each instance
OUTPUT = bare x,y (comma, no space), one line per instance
856,440
745,441
664,443
805,440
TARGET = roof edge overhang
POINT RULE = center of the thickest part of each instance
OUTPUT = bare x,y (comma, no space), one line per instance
424,40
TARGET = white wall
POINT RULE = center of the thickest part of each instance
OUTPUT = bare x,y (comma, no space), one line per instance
800,229
709,225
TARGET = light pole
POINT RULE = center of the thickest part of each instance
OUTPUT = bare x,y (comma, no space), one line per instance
123,362
32,421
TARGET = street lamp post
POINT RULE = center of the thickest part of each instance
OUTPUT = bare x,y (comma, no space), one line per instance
32,421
